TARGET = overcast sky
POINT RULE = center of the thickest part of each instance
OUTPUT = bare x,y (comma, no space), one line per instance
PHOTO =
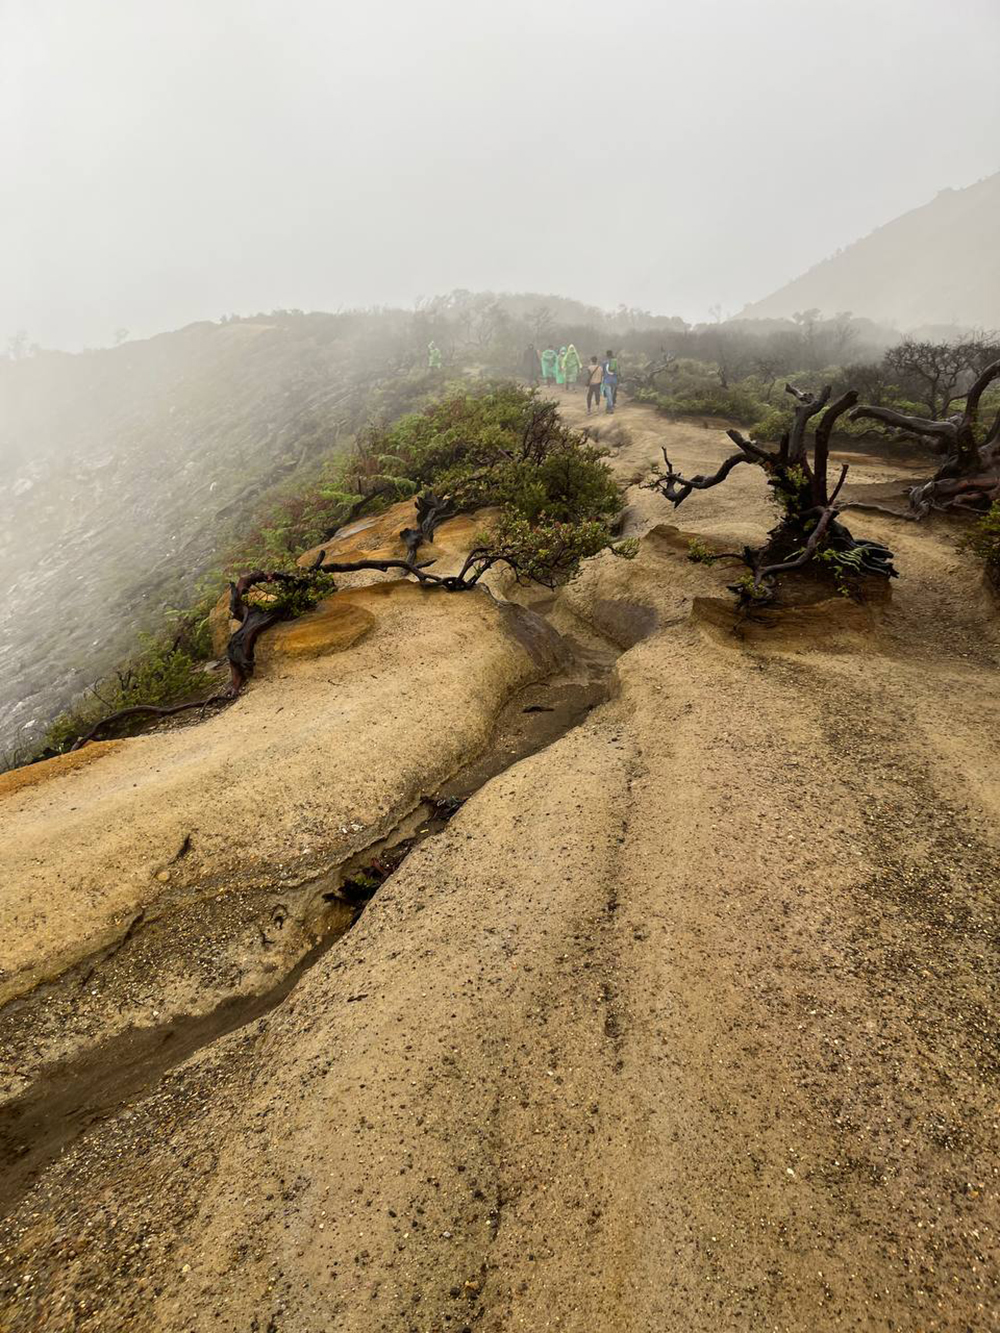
172,160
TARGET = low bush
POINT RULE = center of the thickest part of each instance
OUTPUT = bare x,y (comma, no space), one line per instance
739,403
502,447
161,672
984,541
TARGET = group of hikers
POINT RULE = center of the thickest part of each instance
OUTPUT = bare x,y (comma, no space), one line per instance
565,369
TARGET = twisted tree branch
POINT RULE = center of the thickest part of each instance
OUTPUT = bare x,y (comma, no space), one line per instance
675,488
808,407
941,430
821,451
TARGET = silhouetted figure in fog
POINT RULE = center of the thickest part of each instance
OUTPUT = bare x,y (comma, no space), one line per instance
433,356
530,364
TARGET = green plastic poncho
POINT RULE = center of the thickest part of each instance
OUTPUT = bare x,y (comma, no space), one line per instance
433,356
572,364
548,364
561,366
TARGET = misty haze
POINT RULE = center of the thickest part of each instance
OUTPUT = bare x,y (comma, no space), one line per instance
500,515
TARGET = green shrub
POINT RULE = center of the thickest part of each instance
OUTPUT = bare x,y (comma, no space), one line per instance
502,447
549,552
984,541
777,421
160,673
738,403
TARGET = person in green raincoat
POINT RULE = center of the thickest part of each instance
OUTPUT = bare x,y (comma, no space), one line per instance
561,366
433,356
571,366
549,360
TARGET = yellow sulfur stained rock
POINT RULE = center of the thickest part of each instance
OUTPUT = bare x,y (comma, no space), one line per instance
332,627
20,778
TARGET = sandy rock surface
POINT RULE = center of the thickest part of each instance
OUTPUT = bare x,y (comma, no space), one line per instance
187,846
686,1022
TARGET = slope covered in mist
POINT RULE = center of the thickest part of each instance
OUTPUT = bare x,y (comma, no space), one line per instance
937,264
121,468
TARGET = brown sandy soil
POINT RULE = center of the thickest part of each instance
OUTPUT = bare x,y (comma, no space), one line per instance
687,1022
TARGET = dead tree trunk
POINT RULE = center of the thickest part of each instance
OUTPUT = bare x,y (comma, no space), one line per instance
147,710
637,381
254,619
432,511
969,478
809,531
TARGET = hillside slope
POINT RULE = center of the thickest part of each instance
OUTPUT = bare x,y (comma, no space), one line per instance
122,468
938,264
684,1022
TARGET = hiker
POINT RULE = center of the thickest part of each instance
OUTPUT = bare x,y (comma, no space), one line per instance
572,366
433,356
609,379
549,359
595,376
529,364
561,367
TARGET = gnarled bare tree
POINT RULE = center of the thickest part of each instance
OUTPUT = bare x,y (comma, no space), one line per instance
937,374
809,530
636,380
969,477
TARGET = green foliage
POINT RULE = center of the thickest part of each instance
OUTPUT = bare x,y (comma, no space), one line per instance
548,551
500,446
777,421
845,566
700,554
790,492
161,672
739,402
292,597
748,591
984,540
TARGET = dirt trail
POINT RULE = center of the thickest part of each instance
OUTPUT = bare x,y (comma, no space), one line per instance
687,1022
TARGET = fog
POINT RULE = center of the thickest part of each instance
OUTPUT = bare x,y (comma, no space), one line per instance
167,163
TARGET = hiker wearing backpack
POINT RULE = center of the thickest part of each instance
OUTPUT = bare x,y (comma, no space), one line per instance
609,380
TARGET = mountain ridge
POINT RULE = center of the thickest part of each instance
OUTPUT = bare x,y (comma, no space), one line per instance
935,264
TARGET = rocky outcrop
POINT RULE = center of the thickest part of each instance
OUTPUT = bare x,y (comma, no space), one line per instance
165,873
